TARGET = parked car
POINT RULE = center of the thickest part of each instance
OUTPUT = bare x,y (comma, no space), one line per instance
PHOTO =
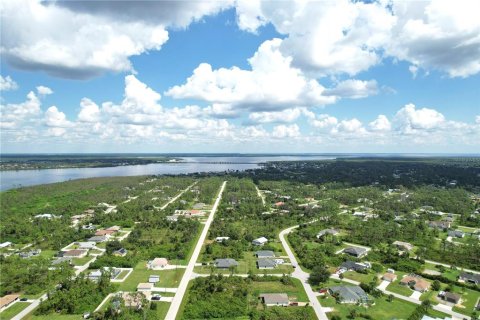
156,297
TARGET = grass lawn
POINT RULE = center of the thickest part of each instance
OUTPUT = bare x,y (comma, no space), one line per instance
13,310
396,287
48,253
397,309
294,291
55,316
360,277
162,309
81,261
466,229
168,278
469,299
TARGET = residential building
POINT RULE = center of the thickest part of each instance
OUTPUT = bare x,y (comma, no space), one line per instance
5,301
105,232
75,253
455,233
356,251
439,224
351,265
404,246
260,241
145,286
265,254
98,239
469,277
449,297
390,277
349,294
225,263
275,299
332,232
430,318
157,264
266,264
221,239
416,283
86,245
120,252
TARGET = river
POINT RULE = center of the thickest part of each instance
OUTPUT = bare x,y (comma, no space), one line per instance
22,178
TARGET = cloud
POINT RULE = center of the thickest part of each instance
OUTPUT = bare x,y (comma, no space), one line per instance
409,119
349,126
15,115
89,111
7,84
380,124
42,90
477,119
287,115
272,84
348,37
284,131
354,89
413,70
44,36
323,121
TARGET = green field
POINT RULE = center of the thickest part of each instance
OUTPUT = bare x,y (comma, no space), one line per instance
81,261
360,277
396,287
469,299
168,278
295,291
13,310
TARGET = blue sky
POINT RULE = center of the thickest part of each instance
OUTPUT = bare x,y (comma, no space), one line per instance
240,76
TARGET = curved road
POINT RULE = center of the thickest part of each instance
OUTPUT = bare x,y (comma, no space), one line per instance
302,276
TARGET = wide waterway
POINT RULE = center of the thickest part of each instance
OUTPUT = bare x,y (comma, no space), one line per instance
22,178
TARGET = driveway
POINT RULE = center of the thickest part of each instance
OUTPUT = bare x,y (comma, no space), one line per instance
416,295
383,285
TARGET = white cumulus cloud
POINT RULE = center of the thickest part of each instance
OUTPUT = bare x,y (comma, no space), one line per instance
7,83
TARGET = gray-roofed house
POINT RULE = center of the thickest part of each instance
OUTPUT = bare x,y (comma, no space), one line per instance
356,251
332,232
98,239
265,254
260,241
450,297
469,277
153,278
266,263
349,294
275,299
225,263
456,233
351,265
404,246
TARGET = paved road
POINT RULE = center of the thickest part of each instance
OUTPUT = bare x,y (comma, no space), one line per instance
177,299
177,196
448,266
302,276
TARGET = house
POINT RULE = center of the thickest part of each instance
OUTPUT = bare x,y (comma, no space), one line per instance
265,254
416,283
439,224
75,253
221,239
449,297
120,252
456,233
349,294
199,206
189,213
47,216
95,275
98,239
469,277
144,286
86,245
172,218
5,244
62,260
260,241
114,228
266,264
157,263
5,301
404,246
356,251
332,232
105,232
279,204
390,277
351,265
153,278
88,227
275,299
225,263
29,254
430,318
